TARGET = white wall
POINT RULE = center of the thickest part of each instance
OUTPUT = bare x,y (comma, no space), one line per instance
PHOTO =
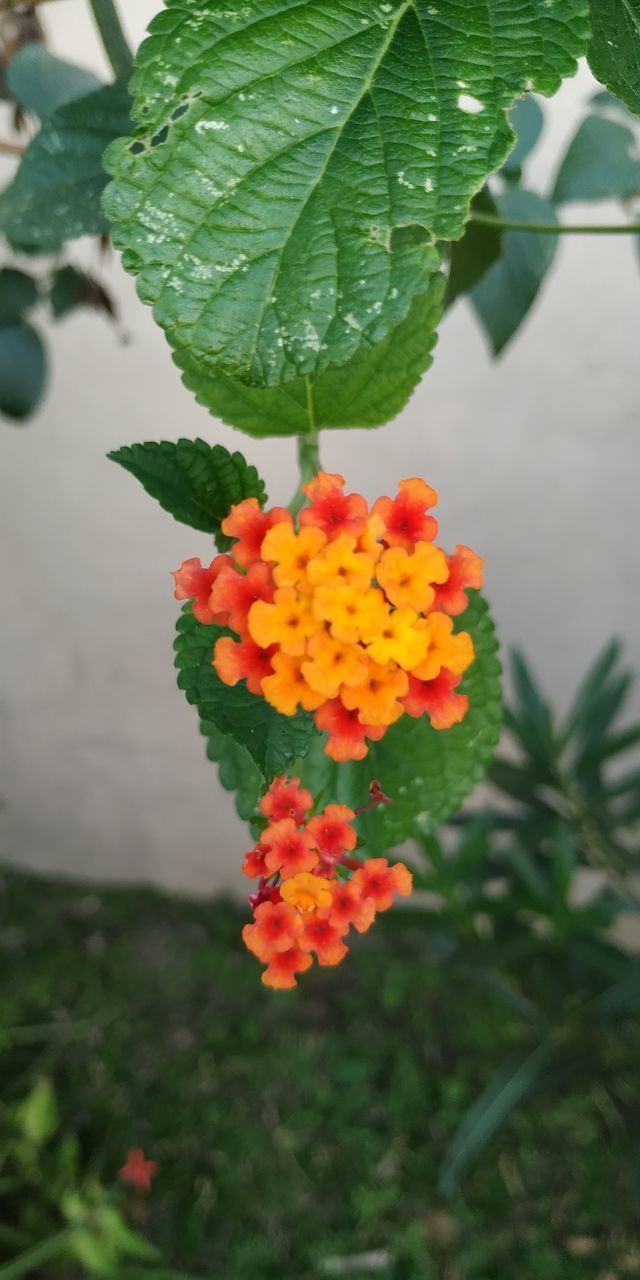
102,771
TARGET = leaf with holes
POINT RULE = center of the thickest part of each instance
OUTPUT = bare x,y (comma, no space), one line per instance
372,387
294,161
55,195
272,741
195,482
614,51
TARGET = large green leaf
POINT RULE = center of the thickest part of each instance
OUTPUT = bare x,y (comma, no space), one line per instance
614,51
506,293
55,195
602,162
372,387
194,481
294,161
40,82
479,248
23,370
236,770
426,772
271,740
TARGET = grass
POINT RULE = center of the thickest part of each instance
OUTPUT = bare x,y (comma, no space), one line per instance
296,1132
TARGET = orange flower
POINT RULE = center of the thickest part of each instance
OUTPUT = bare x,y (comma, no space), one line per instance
249,523
289,849
377,881
341,564
332,664
254,863
286,799
376,699
407,578
276,927
320,935
465,570
287,689
332,832
437,699
242,660
234,593
456,652
347,736
194,582
283,967
287,622
404,516
369,540
349,908
398,640
331,509
307,892
291,552
349,612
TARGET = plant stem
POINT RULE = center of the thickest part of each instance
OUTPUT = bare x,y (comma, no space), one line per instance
11,149
43,1252
557,229
112,35
308,453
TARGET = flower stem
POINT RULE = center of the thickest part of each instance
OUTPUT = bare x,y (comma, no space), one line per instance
308,453
557,229
112,35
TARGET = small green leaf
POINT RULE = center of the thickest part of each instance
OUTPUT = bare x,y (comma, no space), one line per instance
505,295
372,387
590,687
195,482
23,370
40,82
18,294
55,195
71,289
37,1115
479,248
614,51
527,121
236,770
272,741
602,162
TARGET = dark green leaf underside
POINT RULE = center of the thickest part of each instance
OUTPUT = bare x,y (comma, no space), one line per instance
614,51
506,293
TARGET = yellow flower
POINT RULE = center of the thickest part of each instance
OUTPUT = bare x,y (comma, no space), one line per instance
287,622
398,640
287,689
291,552
455,652
376,699
406,577
332,664
339,563
306,891
349,612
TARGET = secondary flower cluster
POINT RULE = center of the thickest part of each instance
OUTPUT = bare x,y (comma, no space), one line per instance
349,615
306,902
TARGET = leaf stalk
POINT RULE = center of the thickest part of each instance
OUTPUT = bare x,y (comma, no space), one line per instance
557,229
112,35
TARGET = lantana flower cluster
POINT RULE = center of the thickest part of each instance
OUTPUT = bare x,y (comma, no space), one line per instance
348,616
312,889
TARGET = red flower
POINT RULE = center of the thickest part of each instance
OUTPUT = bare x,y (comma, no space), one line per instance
276,927
320,935
254,863
378,882
465,570
283,967
347,736
137,1170
234,593
286,799
289,849
437,698
332,833
331,509
350,908
194,582
404,516
249,523
236,660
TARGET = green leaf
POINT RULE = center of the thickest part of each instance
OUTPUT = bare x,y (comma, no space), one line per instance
23,370
55,195
71,289
602,162
372,387
590,687
507,292
40,82
527,120
18,294
426,772
294,161
479,248
194,481
236,770
614,51
37,1115
271,740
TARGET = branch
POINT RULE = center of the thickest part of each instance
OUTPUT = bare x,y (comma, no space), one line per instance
557,229
112,35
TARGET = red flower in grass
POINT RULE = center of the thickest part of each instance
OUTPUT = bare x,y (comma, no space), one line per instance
347,736
377,882
283,967
404,516
249,523
137,1170
236,660
234,593
331,509
290,849
194,582
465,570
438,699
286,799
332,832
